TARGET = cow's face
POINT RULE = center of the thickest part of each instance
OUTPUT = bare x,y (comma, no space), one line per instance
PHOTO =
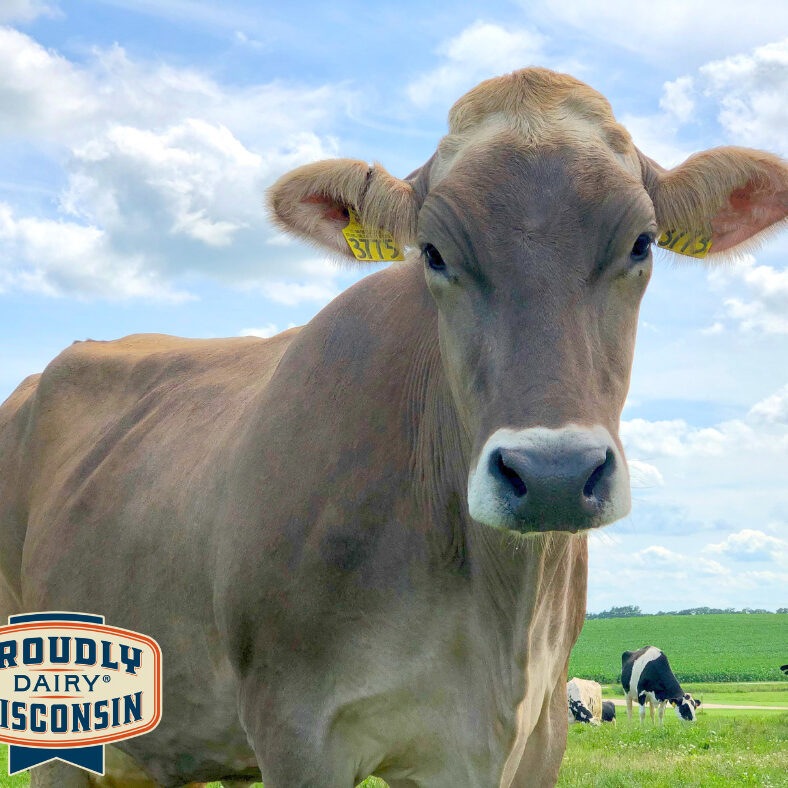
538,272
685,707
533,222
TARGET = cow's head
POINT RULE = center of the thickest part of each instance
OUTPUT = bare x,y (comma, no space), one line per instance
534,221
685,707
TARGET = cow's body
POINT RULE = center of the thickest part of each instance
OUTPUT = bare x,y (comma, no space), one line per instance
584,698
646,677
361,545
160,467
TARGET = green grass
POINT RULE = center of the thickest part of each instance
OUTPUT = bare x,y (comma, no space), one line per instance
726,749
710,648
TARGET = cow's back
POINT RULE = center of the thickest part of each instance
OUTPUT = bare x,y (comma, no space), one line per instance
112,464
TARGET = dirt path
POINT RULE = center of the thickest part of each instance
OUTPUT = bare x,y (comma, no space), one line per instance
622,702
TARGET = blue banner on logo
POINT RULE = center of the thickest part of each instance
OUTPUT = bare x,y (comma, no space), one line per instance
21,758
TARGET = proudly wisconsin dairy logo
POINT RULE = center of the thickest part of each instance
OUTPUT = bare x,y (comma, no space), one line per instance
69,685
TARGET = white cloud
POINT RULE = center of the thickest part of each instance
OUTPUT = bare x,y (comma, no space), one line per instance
66,259
643,475
26,10
715,328
480,51
268,330
657,555
751,545
771,410
165,165
760,303
677,99
751,90
41,93
659,29
763,430
291,293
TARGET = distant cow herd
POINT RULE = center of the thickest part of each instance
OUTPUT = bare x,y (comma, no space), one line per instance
646,678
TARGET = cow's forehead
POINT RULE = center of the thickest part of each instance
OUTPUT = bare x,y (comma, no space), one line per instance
555,187
535,106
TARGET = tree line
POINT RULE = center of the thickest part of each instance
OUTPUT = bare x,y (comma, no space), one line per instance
629,611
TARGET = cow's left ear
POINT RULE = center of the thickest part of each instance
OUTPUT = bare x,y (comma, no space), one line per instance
314,203
730,195
696,702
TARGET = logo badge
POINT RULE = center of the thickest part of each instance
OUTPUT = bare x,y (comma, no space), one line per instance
69,684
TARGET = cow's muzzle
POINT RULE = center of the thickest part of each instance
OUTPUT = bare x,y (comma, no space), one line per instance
539,479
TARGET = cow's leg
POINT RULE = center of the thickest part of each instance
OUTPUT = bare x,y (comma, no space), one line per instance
651,709
629,707
642,704
661,711
57,774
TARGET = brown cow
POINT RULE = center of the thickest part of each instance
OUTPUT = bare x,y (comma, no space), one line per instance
362,544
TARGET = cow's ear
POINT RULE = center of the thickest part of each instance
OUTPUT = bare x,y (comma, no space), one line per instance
728,195
314,202
696,702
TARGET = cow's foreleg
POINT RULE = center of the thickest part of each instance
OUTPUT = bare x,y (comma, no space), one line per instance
661,711
642,704
629,707
651,710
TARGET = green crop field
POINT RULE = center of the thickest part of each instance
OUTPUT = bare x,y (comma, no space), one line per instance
725,647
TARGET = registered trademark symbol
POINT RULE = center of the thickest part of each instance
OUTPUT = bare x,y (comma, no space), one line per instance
106,679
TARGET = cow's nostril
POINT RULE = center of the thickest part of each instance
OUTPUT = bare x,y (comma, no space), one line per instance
511,475
600,472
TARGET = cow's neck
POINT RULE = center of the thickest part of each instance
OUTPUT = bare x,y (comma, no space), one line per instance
527,593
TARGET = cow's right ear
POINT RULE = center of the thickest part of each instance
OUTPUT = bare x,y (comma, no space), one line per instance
314,201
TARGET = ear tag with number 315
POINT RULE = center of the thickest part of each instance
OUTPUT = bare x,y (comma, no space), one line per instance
370,245
683,242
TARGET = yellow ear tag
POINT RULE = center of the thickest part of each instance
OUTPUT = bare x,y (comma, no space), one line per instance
683,242
370,245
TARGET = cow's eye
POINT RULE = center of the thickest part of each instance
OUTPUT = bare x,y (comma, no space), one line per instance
641,248
432,257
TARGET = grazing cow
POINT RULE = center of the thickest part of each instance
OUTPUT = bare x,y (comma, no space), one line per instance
361,544
646,676
608,711
585,701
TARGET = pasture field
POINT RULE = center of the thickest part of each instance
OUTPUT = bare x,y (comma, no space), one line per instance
707,648
723,748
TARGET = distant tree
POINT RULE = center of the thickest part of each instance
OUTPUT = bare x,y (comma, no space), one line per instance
625,611
629,611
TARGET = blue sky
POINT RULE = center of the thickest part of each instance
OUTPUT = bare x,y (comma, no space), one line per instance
138,137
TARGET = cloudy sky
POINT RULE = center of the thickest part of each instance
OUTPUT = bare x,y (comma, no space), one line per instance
138,136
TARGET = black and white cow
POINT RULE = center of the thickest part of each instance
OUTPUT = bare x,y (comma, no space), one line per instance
585,701
608,711
646,676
